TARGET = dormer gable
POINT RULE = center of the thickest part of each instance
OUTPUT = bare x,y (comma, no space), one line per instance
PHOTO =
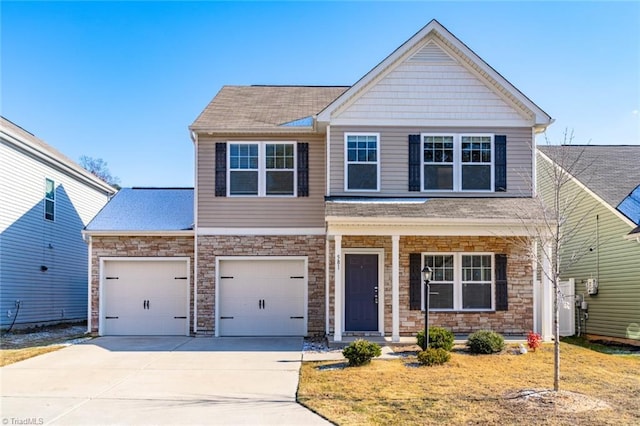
434,79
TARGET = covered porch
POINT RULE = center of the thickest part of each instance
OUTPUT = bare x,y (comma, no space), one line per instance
374,248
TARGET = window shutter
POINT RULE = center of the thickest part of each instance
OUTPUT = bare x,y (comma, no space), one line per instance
415,282
502,294
414,163
500,144
303,169
221,169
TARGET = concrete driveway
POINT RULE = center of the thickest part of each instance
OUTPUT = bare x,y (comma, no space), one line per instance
159,380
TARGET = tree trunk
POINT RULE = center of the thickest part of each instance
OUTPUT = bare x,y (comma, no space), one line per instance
556,332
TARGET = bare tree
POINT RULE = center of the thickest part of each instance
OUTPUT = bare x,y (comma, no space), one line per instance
560,200
98,167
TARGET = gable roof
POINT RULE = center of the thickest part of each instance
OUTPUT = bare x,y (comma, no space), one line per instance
483,70
29,143
612,172
264,108
145,210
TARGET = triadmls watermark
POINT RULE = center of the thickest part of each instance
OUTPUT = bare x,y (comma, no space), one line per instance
22,421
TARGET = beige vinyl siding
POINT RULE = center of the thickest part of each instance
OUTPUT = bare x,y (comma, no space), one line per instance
394,160
260,212
428,88
617,304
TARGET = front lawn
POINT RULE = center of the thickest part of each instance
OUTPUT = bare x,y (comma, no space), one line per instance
480,389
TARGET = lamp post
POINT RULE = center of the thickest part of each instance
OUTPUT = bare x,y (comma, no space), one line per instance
426,276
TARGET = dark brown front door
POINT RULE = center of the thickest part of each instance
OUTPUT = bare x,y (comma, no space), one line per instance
361,292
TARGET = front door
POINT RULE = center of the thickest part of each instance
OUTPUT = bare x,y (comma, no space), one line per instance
361,292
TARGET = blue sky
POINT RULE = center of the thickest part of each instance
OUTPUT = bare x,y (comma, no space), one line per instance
123,80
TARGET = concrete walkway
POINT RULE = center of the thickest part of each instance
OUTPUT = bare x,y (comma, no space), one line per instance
161,380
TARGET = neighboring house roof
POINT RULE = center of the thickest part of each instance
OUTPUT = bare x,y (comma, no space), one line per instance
612,172
435,31
447,209
145,210
29,143
265,108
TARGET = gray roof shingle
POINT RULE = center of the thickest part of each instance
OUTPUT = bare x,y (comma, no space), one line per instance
611,171
146,209
237,108
508,209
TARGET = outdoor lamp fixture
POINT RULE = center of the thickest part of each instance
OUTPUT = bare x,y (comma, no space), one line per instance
426,276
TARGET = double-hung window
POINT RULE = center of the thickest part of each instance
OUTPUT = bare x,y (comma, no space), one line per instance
49,200
262,169
362,162
460,281
457,162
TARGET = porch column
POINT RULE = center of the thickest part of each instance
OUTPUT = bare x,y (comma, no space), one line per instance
547,294
337,288
395,288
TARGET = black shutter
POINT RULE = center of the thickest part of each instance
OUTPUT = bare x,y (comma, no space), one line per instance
502,294
414,162
500,144
303,169
221,169
415,282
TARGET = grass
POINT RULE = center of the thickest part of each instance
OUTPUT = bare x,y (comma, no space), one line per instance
471,389
46,340
10,356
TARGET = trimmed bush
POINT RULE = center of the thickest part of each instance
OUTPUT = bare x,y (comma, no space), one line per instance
439,337
361,352
433,356
485,342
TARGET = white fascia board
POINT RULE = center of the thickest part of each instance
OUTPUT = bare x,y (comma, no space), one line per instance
261,231
590,192
261,131
73,170
187,233
434,230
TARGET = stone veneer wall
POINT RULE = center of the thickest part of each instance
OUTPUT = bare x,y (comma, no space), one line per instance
517,320
312,246
131,246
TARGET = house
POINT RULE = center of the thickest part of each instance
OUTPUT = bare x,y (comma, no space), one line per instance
603,258
316,208
47,199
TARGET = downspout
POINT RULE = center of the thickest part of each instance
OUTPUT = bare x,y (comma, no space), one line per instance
194,137
89,240
326,284
328,173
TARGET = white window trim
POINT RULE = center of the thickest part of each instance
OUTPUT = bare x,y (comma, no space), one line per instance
44,214
262,169
457,162
457,281
346,162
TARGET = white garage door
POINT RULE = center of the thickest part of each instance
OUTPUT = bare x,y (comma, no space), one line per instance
145,297
262,297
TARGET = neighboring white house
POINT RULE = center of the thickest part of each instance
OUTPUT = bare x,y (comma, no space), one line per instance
46,200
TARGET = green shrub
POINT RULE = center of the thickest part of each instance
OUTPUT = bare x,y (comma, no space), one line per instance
361,352
431,356
485,342
438,338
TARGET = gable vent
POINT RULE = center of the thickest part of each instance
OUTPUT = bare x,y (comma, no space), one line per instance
433,54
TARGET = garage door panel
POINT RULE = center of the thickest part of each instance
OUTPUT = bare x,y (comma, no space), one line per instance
262,297
145,297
